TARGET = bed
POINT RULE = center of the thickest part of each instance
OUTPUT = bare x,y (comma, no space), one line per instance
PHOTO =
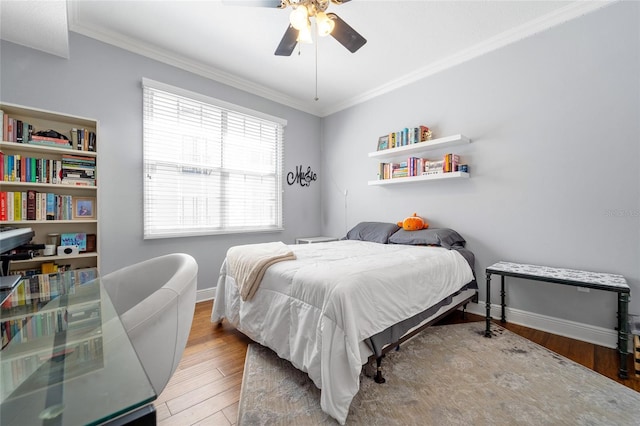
340,304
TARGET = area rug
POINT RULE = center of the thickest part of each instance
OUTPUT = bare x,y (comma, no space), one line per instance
447,375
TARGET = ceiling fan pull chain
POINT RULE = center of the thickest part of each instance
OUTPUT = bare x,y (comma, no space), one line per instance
316,43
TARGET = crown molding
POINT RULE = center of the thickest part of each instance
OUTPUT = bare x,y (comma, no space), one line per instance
173,59
557,17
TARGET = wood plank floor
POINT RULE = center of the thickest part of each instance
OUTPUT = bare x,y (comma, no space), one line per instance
205,388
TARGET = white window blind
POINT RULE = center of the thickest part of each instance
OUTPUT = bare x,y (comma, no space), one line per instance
209,167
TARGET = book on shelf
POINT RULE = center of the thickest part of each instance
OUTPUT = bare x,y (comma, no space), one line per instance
416,166
20,325
83,139
47,285
3,206
404,137
33,205
19,168
20,131
451,162
17,206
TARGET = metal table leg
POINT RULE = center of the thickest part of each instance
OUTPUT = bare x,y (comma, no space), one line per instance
623,334
503,319
487,331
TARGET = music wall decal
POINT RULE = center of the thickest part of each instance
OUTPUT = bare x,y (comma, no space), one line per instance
301,177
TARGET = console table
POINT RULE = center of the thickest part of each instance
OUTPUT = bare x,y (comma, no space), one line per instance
595,280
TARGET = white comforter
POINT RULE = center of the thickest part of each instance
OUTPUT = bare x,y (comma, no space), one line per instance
315,311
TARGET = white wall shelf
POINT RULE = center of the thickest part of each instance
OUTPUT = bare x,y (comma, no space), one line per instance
401,153
413,179
419,148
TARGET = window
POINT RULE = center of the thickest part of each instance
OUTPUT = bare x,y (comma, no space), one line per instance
209,167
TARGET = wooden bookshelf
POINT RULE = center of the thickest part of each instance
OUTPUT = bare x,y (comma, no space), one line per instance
42,120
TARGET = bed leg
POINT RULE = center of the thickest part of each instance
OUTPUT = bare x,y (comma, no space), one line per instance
379,378
464,311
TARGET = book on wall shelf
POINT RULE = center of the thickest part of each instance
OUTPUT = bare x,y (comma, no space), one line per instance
416,166
404,137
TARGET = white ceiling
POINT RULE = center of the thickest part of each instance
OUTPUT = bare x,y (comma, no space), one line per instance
233,44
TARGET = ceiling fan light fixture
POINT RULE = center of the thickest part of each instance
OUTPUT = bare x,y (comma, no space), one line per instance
299,17
304,34
324,24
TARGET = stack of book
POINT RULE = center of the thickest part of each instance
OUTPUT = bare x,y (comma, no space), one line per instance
49,141
78,170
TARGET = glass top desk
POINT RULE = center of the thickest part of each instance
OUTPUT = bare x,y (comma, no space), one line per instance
66,358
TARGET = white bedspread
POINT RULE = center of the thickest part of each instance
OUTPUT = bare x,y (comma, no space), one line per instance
316,311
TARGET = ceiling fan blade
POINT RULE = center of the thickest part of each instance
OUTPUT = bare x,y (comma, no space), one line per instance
255,3
288,42
346,35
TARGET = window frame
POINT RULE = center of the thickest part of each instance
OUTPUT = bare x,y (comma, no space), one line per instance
225,108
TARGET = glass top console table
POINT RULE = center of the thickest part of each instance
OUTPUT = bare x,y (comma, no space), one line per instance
66,358
578,278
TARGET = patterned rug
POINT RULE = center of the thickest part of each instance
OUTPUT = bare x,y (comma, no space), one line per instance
447,375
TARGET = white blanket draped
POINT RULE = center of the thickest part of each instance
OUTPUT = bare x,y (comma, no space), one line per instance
317,310
248,263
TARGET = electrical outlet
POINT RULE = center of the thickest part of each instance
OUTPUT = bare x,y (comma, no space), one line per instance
584,289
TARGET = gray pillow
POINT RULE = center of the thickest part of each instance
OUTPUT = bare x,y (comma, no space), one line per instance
377,232
443,237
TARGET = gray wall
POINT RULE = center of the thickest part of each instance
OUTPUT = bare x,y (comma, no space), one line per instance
103,82
554,159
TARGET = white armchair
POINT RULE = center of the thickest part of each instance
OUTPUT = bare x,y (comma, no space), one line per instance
155,300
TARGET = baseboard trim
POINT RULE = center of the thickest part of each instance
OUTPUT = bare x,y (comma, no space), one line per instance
574,330
206,294
587,333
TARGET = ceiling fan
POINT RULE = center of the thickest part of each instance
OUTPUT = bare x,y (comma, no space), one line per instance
299,29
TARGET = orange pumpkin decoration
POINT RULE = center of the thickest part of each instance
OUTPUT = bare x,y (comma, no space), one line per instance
413,223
